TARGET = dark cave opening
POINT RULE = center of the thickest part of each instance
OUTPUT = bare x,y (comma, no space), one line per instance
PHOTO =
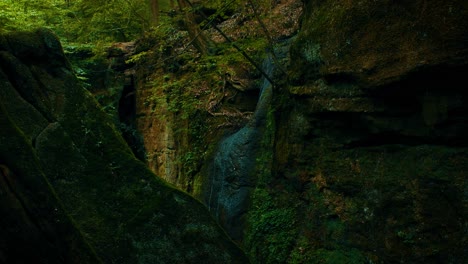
127,118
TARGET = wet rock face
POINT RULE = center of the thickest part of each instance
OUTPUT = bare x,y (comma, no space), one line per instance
232,172
231,181
71,187
375,144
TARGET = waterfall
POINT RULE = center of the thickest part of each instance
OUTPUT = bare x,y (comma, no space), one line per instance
232,172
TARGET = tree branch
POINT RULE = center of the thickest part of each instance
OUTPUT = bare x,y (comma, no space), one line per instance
235,46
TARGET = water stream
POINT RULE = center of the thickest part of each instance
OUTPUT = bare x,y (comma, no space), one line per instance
232,172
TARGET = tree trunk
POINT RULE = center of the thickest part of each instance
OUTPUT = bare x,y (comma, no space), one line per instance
154,12
198,38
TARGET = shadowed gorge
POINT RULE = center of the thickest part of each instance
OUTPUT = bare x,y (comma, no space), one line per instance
269,131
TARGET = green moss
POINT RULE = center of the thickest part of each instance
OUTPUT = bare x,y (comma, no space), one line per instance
304,253
379,188
272,228
351,256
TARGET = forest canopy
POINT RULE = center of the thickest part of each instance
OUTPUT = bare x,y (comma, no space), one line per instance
84,21
92,21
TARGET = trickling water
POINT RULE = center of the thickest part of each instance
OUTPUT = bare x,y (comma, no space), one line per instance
232,170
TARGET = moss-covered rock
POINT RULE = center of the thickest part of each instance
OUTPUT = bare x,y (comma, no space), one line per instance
370,147
60,145
364,153
378,42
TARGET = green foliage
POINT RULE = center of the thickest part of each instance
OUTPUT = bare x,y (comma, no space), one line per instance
175,96
81,21
272,218
137,58
408,235
272,229
188,79
116,20
325,256
27,14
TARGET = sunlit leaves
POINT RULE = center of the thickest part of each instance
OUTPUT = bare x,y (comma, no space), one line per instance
25,15
86,21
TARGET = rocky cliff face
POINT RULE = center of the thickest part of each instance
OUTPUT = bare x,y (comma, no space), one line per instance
371,150
202,117
71,191
361,156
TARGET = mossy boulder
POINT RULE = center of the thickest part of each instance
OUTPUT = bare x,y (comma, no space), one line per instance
77,180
